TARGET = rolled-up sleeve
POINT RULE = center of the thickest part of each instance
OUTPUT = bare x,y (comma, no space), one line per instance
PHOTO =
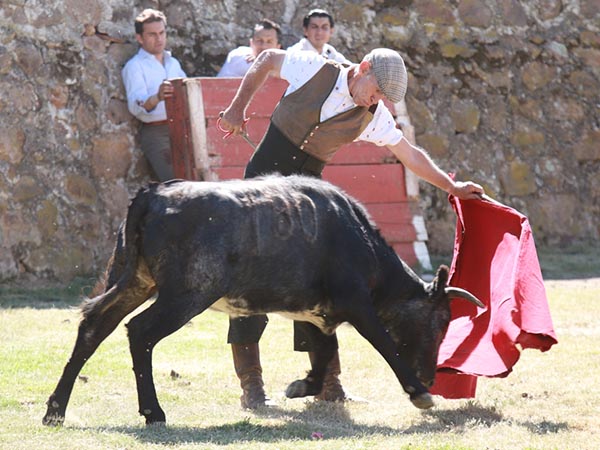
136,89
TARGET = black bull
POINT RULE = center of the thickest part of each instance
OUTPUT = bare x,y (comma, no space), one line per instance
291,245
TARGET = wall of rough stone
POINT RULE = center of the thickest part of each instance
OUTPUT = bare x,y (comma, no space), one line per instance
505,92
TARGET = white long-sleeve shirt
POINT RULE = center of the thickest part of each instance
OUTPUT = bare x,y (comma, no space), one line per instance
142,76
237,63
328,52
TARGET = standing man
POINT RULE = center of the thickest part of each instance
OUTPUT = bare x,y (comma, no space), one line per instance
266,34
325,106
145,78
318,29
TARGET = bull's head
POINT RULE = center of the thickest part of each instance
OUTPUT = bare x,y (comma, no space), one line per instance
418,323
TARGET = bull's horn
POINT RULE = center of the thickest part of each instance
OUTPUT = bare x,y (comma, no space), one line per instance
458,292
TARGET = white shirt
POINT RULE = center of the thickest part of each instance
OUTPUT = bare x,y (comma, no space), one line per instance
328,52
237,64
299,67
142,76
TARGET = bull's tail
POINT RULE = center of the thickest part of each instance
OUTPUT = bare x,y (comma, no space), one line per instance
126,280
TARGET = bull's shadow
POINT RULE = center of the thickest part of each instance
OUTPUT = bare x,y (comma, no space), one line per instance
329,420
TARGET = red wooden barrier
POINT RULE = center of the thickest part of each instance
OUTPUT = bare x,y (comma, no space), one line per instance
369,173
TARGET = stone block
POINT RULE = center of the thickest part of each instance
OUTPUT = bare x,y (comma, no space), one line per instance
536,75
80,189
465,116
517,179
475,13
111,156
588,149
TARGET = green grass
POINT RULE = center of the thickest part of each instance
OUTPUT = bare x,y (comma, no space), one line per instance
550,401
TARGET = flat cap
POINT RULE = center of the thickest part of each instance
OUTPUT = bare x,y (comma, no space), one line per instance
390,72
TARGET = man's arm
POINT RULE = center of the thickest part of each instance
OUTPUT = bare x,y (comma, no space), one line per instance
140,102
269,62
417,160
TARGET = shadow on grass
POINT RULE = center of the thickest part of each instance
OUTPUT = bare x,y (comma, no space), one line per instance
323,421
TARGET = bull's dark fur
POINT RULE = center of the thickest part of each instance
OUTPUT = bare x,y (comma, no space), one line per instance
293,245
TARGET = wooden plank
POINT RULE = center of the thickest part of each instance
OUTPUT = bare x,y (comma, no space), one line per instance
396,233
406,251
179,132
398,212
198,160
363,153
218,93
383,183
228,173
234,151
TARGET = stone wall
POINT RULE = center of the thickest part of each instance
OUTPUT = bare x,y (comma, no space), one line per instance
504,92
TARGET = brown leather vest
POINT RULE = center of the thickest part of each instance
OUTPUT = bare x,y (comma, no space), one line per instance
297,117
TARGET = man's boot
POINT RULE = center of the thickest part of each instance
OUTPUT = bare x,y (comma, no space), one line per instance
246,360
332,388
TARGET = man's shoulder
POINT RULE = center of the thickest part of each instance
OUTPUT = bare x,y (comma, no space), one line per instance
132,62
330,52
240,51
295,47
302,45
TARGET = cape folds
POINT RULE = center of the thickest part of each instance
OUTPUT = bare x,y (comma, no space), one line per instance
495,259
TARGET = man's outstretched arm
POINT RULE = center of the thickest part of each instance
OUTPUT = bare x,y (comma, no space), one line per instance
419,162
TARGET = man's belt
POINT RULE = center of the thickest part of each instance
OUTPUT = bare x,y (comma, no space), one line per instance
157,123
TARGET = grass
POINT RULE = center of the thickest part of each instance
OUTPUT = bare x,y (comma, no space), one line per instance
550,401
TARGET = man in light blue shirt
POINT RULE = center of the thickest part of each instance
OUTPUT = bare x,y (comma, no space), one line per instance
145,78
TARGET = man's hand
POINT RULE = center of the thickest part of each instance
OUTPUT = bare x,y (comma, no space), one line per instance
232,121
467,190
165,90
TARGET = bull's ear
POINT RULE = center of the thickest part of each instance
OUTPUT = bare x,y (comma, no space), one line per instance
441,278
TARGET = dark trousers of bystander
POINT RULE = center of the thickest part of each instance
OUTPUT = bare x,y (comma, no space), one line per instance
156,147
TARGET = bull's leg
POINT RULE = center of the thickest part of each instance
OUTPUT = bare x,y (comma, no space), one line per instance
168,314
320,358
93,329
363,317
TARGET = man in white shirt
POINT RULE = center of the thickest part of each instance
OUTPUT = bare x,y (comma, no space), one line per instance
145,78
266,34
325,106
318,29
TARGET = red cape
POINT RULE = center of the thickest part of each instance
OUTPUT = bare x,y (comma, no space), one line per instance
496,260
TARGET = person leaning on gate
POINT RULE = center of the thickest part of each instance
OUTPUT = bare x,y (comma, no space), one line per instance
317,26
325,106
265,34
145,78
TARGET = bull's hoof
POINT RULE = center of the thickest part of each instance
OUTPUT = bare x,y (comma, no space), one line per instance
301,388
154,417
55,414
53,419
296,389
422,401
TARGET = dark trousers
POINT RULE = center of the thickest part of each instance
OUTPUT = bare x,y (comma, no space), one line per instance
276,154
156,147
